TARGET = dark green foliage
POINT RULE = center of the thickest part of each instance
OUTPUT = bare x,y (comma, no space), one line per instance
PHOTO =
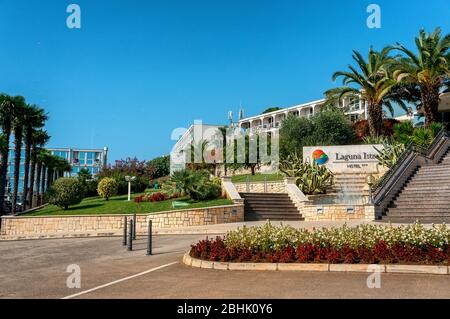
271,109
329,127
65,192
196,184
159,166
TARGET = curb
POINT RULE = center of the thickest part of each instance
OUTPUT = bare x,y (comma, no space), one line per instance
404,269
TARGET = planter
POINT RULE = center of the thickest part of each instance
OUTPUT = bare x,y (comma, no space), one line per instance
390,268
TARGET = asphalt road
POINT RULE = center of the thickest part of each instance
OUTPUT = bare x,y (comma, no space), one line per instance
37,269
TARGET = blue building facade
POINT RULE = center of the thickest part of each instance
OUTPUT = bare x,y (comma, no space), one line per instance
91,159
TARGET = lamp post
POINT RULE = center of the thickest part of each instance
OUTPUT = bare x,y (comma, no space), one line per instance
370,180
129,179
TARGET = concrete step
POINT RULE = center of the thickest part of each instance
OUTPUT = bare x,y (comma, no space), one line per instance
439,188
420,183
420,205
266,200
278,217
429,181
264,195
408,201
409,220
434,169
418,211
271,209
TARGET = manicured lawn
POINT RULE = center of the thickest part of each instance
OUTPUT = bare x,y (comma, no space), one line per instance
120,205
258,177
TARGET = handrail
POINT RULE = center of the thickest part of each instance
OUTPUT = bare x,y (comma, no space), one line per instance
410,149
401,165
442,133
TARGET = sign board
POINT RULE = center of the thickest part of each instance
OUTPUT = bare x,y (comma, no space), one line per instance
345,158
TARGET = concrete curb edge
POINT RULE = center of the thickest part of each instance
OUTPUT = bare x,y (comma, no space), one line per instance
391,268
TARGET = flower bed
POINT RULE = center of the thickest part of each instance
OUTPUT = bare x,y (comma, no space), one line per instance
366,244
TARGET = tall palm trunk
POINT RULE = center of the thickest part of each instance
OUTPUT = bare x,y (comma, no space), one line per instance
49,178
430,104
38,182
4,153
28,141
17,152
32,176
43,189
375,119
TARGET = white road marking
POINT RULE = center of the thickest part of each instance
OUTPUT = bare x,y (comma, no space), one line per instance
119,280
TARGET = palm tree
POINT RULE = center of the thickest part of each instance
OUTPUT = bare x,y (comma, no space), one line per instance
39,139
42,155
7,107
18,122
428,69
61,166
373,83
34,118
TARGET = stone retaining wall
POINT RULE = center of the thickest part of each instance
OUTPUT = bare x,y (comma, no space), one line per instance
337,212
29,227
258,187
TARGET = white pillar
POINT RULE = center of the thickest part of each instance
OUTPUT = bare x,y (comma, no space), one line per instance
129,191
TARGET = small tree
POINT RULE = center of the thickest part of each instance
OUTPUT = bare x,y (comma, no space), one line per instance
65,192
107,187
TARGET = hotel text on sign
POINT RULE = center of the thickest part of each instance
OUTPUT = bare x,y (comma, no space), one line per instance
345,158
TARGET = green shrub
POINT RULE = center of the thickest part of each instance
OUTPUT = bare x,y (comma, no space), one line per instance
204,190
137,186
65,192
91,188
196,184
328,127
160,166
107,187
406,133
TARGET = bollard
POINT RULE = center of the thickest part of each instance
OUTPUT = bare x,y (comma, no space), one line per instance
134,226
124,243
149,238
130,237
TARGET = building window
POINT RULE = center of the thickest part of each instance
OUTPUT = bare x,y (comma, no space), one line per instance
90,158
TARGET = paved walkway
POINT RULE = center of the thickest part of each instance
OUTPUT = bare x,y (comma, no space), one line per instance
37,269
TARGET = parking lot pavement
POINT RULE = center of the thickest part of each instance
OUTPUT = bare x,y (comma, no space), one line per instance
37,269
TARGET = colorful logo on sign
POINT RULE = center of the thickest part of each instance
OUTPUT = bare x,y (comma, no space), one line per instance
320,157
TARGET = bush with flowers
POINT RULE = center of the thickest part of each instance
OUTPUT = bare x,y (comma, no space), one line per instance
367,244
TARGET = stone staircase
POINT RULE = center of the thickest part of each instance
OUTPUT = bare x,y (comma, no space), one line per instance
425,196
272,206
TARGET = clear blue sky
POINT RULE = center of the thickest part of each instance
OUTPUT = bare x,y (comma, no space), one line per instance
138,69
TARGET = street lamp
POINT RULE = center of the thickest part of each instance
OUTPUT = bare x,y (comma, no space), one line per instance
129,179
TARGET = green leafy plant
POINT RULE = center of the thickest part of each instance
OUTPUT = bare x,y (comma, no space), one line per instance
196,184
107,187
65,192
310,177
406,133
380,139
390,153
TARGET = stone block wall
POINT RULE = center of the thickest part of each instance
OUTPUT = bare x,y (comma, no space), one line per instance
337,212
258,187
28,227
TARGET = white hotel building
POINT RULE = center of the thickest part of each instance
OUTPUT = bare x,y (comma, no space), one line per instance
355,108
